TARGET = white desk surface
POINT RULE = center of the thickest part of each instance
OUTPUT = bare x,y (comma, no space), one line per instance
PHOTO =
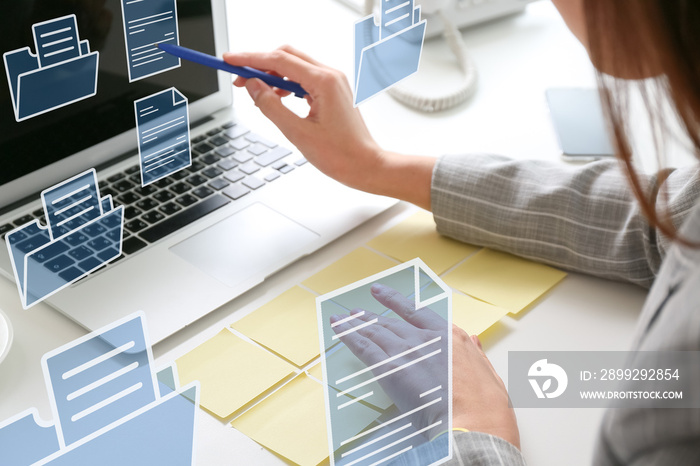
517,58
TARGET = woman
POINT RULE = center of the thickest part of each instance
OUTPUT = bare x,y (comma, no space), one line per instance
583,219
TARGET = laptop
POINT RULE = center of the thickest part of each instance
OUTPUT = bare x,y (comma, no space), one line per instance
245,208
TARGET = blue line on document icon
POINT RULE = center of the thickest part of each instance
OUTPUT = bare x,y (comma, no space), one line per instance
109,406
84,233
62,71
386,342
146,24
390,52
163,127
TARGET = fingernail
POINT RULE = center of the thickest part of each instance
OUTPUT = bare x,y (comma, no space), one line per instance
334,319
254,87
377,288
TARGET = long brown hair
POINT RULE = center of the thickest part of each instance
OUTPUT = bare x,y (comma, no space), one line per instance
638,38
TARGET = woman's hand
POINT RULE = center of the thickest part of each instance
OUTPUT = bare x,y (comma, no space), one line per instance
480,399
333,136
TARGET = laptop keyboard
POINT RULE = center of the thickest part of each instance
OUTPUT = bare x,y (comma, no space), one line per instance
228,163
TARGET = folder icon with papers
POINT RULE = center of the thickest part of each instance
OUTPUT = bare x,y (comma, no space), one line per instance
390,52
84,233
62,71
388,347
109,406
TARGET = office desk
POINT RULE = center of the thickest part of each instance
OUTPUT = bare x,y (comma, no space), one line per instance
517,58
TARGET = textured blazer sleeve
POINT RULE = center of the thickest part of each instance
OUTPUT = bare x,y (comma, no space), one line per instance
470,449
582,218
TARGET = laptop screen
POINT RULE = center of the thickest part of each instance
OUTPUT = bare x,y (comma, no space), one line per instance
48,131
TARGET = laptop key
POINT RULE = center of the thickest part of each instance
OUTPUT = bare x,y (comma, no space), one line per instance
203,147
109,192
147,204
243,156
273,155
249,168
135,178
133,244
202,192
272,176
170,208
300,162
146,190
5,228
107,254
253,182
22,220
99,243
135,226
239,144
153,217
186,200
179,175
163,196
227,125
123,186
115,178
80,253
70,274
133,169
89,263
210,159
128,198
236,191
236,131
181,219
38,213
252,137
278,165
195,167
59,263
212,172
131,212
163,183
196,180
51,251
224,151
218,141
94,229
76,239
212,132
219,184
180,188
227,164
234,175
257,149
286,169
199,139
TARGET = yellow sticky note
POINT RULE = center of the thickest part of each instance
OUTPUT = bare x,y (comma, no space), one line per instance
286,325
503,280
359,264
292,422
417,237
474,316
317,371
231,371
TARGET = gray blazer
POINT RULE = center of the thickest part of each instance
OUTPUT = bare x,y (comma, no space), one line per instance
586,219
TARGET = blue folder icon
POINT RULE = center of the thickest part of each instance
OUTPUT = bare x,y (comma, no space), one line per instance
390,52
109,406
84,232
62,71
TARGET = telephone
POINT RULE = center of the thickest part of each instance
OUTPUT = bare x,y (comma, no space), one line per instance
446,17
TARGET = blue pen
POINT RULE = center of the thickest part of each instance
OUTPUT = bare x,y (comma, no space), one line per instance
242,71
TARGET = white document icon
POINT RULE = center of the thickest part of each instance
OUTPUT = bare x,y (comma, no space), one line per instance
163,127
392,352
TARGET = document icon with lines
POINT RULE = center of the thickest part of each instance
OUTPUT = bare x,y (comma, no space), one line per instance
395,358
163,127
146,24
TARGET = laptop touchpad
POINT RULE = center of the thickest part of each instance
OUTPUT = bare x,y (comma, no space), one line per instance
255,239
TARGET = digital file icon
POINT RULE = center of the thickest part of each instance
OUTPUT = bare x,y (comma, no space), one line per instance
386,342
146,24
389,52
163,127
61,72
83,233
109,406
